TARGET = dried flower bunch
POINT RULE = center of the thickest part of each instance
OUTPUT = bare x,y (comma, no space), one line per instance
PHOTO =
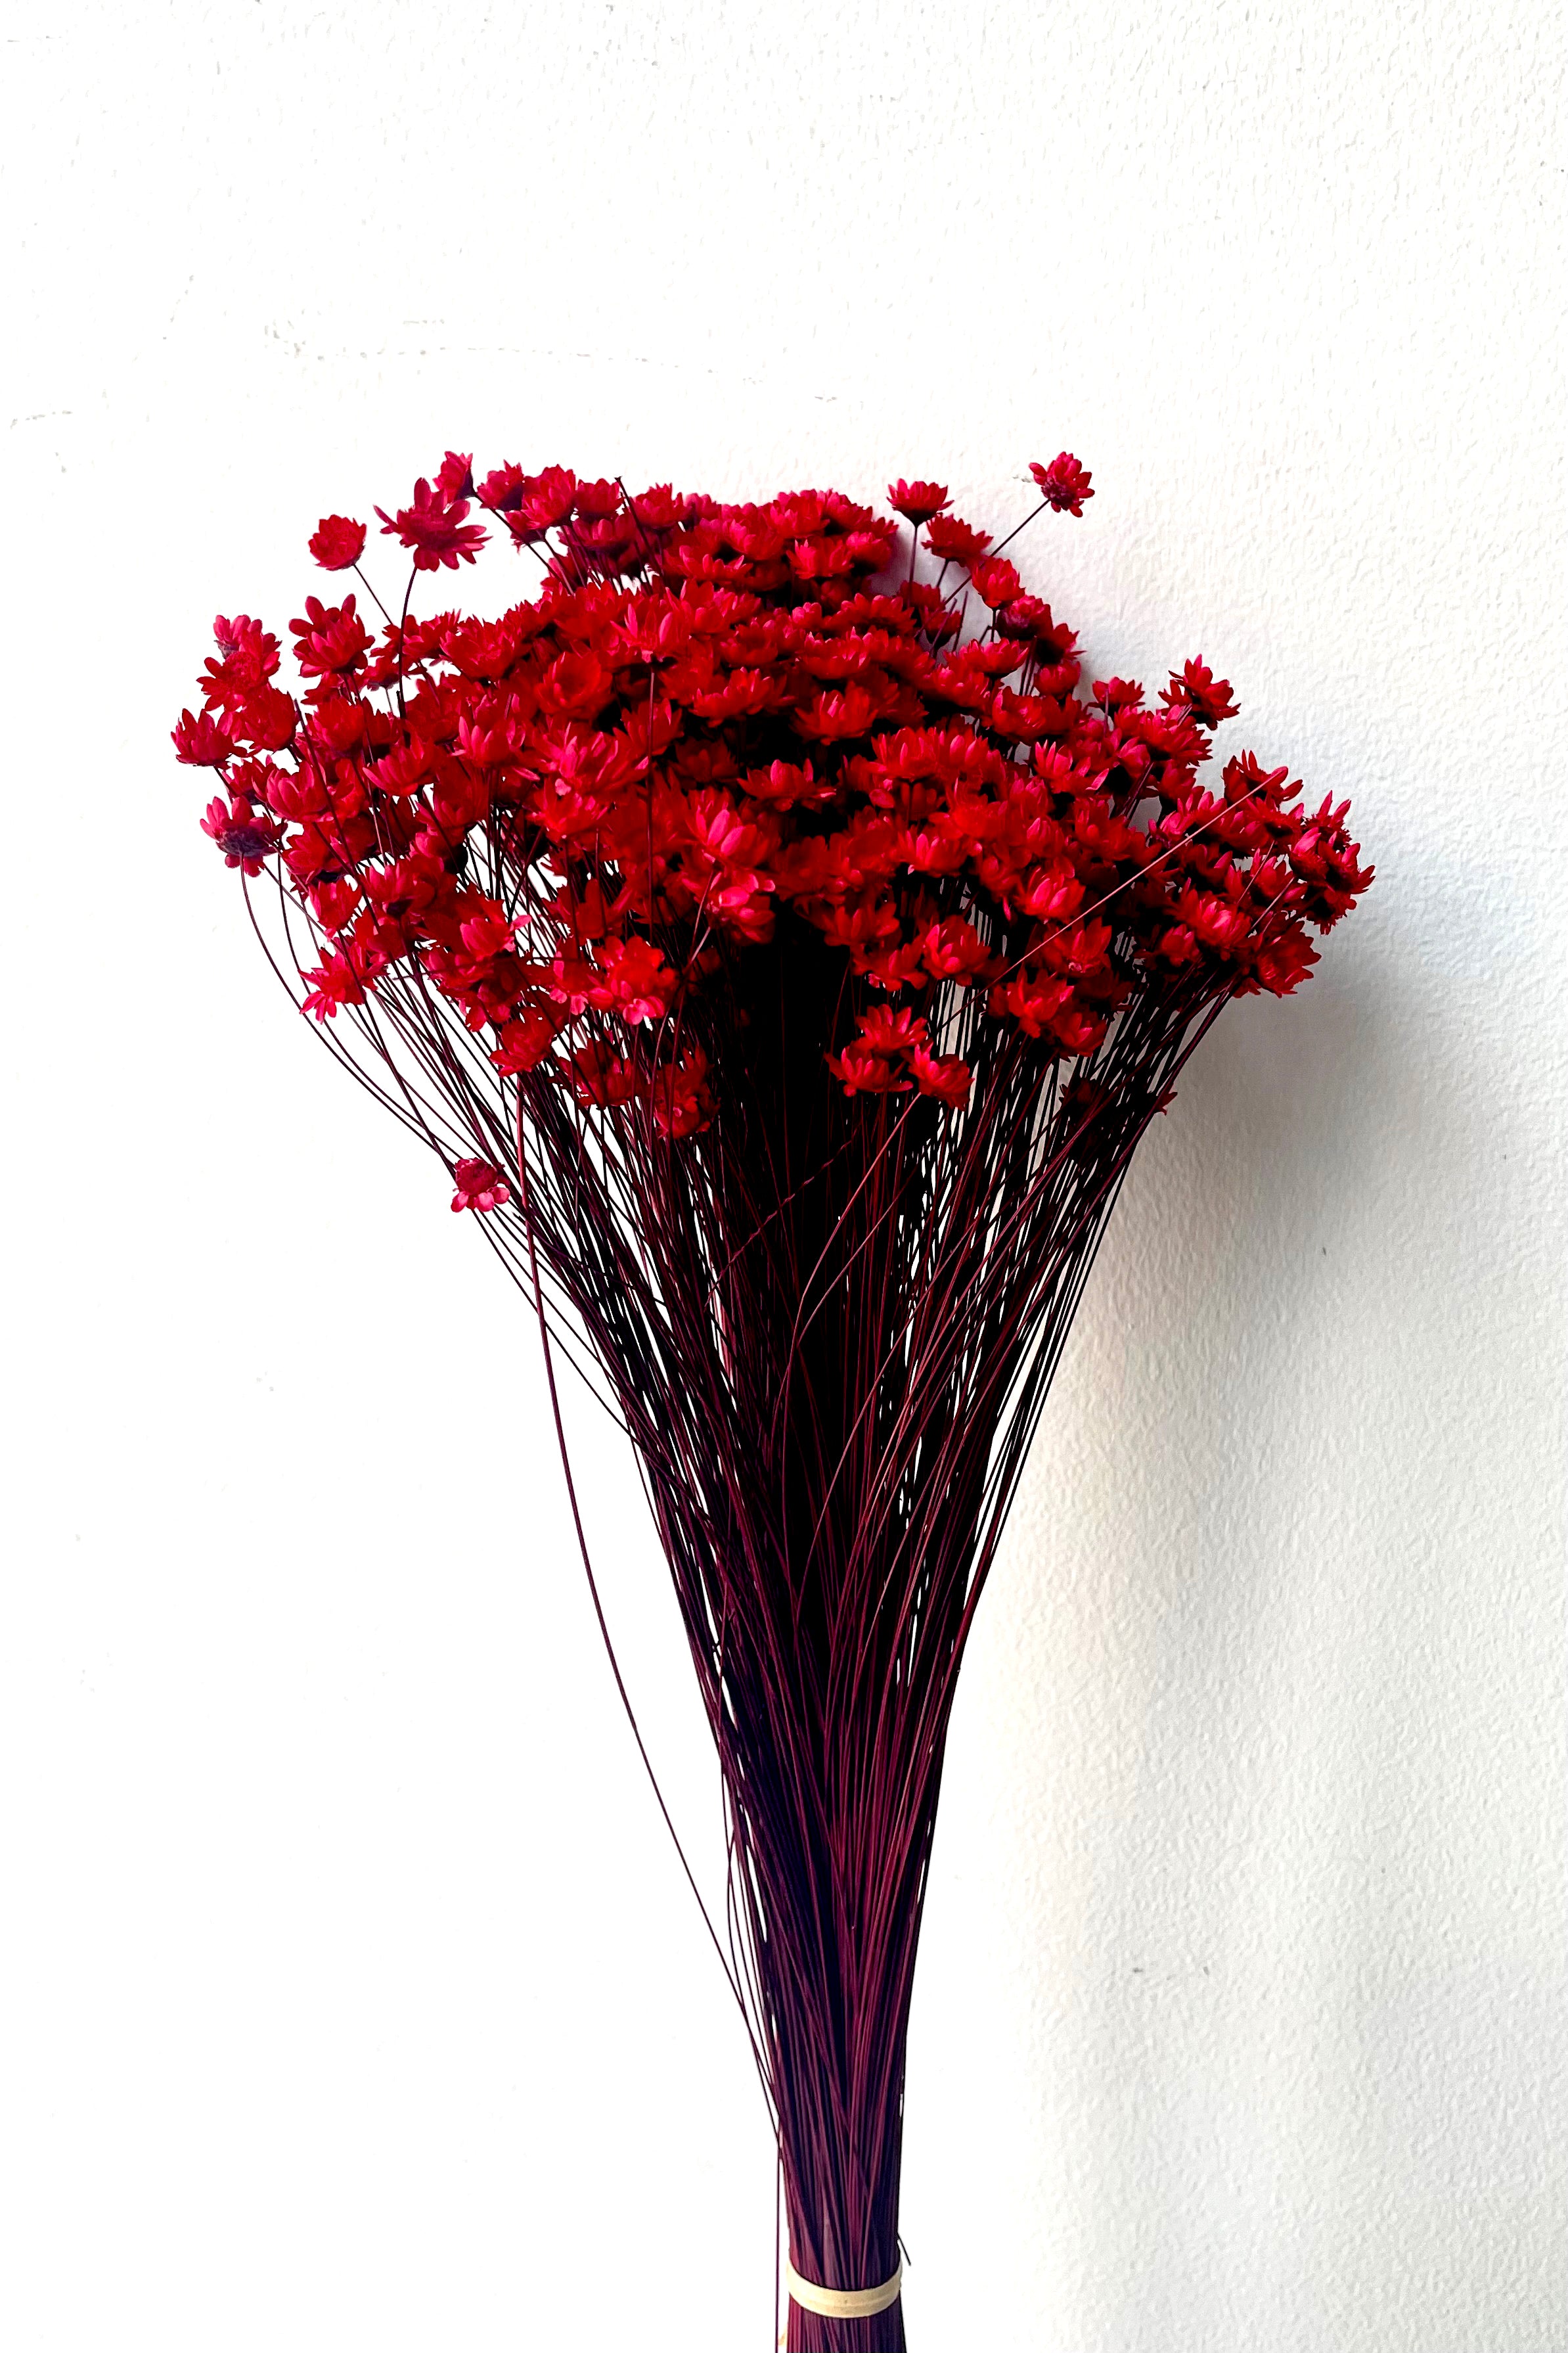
784,957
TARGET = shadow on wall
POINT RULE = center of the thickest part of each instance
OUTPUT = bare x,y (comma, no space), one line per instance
1215,1350
1198,1808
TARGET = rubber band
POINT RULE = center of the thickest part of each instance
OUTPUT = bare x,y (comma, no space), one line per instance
842,2303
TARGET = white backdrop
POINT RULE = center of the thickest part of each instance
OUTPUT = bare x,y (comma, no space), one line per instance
352,1999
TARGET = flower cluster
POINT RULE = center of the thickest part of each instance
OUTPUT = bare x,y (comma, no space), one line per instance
712,721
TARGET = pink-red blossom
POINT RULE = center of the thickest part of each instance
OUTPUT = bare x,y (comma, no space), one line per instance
336,542
1064,483
480,1186
434,529
917,501
201,740
246,835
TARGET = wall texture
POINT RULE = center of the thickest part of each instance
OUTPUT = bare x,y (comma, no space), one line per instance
352,1999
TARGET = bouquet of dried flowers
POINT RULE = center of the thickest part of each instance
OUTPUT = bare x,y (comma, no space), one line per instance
783,956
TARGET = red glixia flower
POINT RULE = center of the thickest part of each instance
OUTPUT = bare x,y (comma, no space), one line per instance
246,835
336,542
918,502
946,1076
201,740
716,732
1064,483
434,528
333,984
455,476
954,540
638,985
1198,691
480,1186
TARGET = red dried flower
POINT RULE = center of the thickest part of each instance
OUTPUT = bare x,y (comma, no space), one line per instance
917,501
434,529
1064,483
267,720
946,1076
247,658
996,582
202,741
542,503
480,1185
638,985
455,476
1198,691
336,542
955,542
245,836
333,984
525,1042
682,1097
330,639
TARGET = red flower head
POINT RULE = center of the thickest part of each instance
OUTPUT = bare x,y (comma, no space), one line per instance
951,538
329,637
434,529
480,1185
267,721
501,490
539,503
455,476
202,743
525,1042
1198,691
996,582
946,1076
1246,780
336,542
333,984
247,658
245,836
862,1072
682,1100
1064,483
917,501
638,984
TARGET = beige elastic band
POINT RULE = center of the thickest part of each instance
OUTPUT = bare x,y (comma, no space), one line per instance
842,2303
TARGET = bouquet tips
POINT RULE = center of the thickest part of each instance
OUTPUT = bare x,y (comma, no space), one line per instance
784,954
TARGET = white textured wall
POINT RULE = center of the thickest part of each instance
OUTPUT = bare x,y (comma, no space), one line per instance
350,2000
